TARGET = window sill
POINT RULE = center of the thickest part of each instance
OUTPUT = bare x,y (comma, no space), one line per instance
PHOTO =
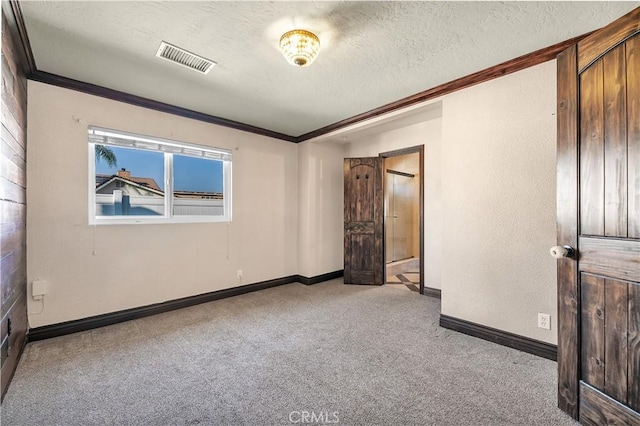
159,220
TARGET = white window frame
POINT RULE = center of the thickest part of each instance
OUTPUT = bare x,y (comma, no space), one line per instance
102,136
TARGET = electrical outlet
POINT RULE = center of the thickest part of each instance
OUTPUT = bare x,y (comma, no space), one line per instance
239,273
544,321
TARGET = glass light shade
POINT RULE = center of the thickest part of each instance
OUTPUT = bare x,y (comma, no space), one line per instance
300,47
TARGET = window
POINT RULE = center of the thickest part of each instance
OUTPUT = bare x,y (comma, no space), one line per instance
140,179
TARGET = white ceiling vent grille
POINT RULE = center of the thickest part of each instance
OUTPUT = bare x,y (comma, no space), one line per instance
186,59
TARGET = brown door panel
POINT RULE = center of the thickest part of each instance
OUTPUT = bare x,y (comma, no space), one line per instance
363,221
598,214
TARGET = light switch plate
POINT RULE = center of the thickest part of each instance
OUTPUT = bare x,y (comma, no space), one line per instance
38,289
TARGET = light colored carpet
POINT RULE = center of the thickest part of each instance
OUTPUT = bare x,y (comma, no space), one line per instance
371,355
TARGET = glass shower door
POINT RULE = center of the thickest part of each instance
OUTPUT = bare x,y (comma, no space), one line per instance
399,199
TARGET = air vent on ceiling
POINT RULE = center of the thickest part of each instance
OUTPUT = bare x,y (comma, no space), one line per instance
187,59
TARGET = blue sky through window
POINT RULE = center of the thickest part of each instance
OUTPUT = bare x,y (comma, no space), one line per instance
196,174
189,173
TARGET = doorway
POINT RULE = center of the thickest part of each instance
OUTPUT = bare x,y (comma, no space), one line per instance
403,218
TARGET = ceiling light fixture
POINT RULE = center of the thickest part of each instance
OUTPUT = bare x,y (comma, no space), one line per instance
300,47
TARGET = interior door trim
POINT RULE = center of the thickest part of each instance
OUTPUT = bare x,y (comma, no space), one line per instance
567,232
396,153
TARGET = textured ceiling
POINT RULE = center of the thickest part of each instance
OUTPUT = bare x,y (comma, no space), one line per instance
372,53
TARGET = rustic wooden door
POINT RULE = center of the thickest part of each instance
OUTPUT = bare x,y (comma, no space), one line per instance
363,221
599,217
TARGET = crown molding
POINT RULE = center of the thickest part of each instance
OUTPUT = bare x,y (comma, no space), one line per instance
16,23
116,95
496,71
13,13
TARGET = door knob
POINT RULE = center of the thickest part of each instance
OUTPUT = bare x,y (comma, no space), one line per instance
562,251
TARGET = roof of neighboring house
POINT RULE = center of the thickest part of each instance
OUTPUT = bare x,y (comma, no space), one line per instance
143,181
131,181
195,194
150,184
100,179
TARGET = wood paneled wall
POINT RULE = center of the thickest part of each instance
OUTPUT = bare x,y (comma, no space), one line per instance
13,206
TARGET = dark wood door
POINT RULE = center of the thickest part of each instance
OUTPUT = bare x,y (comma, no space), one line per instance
363,221
599,215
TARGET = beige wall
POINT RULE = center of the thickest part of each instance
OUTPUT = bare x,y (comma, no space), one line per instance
136,265
489,199
489,207
321,212
498,191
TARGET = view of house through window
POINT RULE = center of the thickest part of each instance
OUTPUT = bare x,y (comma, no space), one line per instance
154,180
134,190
